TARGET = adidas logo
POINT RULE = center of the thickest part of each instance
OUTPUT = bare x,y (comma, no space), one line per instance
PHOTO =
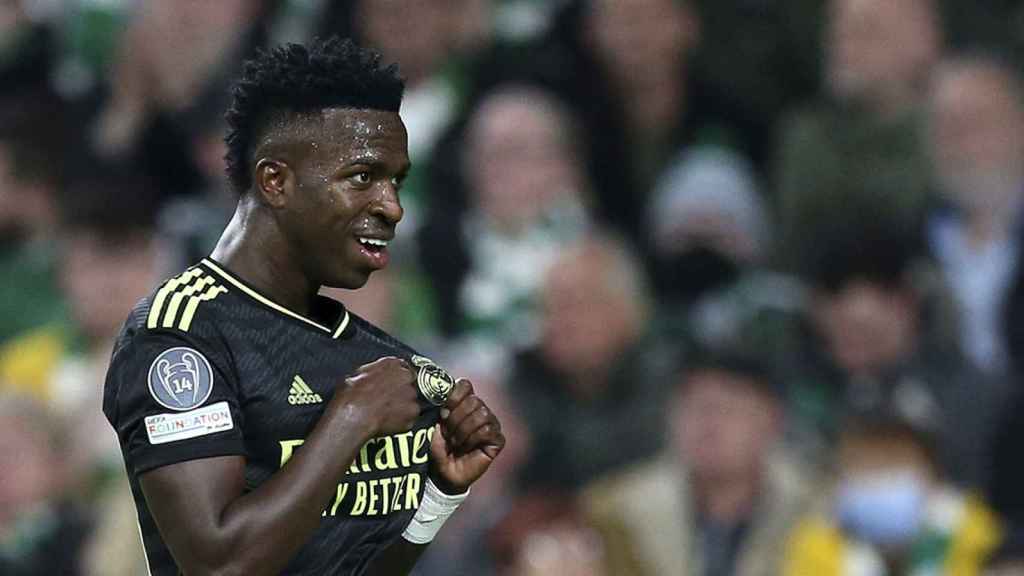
301,393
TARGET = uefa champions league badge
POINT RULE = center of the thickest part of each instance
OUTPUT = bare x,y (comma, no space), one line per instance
434,383
180,378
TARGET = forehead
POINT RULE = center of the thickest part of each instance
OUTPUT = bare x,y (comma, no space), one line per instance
885,11
347,133
976,84
516,116
721,383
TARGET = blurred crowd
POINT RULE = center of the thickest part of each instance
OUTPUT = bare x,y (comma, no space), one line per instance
743,279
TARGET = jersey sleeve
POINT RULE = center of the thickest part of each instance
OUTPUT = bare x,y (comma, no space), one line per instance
172,397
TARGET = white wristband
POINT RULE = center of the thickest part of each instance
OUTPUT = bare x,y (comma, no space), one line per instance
435,508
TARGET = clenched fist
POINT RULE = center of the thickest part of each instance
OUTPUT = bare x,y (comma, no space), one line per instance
381,395
466,441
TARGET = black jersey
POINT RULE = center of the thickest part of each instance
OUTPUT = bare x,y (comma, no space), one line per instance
206,366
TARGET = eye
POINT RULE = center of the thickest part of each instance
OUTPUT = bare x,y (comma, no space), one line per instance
397,182
361,178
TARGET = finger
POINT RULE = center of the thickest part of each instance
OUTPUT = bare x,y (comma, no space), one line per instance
381,362
481,459
459,413
487,435
493,446
463,389
457,436
438,446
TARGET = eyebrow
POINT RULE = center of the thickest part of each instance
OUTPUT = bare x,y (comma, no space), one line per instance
376,164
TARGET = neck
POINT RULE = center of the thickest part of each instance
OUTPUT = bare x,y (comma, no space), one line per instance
588,385
726,500
895,102
252,248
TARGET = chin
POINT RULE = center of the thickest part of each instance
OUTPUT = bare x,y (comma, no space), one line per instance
350,281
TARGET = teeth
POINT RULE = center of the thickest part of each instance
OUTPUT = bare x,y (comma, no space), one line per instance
373,242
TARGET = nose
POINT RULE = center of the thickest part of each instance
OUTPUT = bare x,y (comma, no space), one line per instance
387,206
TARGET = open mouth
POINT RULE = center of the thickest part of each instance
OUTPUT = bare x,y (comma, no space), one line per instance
374,250
372,245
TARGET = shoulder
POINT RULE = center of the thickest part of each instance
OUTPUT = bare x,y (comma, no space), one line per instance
181,305
186,311
644,482
176,304
975,528
816,546
790,480
27,361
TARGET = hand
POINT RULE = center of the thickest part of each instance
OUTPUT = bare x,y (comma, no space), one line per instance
466,441
381,395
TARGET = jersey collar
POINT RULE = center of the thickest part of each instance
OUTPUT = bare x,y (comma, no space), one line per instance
335,332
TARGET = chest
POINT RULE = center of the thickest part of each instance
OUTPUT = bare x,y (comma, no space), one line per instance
287,381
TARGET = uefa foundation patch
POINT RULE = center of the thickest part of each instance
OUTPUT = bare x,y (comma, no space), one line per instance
180,378
164,428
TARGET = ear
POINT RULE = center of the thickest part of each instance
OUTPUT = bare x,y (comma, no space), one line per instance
275,181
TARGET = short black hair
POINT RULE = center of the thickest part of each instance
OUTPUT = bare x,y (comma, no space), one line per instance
866,244
34,134
733,360
893,421
332,73
114,203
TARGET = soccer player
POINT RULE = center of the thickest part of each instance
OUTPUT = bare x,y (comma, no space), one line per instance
265,429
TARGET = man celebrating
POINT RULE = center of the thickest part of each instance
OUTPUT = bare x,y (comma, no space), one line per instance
265,429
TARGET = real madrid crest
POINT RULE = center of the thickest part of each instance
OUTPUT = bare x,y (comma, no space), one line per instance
435,384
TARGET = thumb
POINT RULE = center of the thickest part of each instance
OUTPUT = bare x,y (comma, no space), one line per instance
438,445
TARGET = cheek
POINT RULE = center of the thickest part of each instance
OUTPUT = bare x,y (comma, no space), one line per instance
331,213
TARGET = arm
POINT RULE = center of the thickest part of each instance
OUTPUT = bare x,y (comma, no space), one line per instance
212,527
463,447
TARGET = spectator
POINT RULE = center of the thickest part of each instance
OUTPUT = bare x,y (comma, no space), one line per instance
591,392
422,36
627,68
722,496
32,140
41,531
642,48
884,333
977,141
170,55
864,137
893,511
192,223
707,224
108,260
711,236
763,56
547,534
527,191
